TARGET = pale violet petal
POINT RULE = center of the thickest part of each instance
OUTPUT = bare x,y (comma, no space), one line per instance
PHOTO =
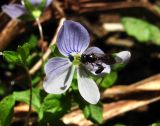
72,37
93,68
94,50
56,66
35,2
48,2
87,87
14,10
123,57
61,83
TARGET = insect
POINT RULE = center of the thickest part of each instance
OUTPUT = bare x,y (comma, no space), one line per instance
98,60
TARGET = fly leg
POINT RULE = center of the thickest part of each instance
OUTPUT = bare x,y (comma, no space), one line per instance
100,68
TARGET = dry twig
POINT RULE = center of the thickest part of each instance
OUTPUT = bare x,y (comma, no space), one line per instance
48,52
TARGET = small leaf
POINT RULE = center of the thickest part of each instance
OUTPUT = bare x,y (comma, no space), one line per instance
94,112
12,57
52,103
2,89
32,41
53,47
28,5
119,125
155,124
42,5
35,80
6,110
137,28
24,96
109,80
22,52
142,30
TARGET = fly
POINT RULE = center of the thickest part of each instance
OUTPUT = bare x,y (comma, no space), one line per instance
93,59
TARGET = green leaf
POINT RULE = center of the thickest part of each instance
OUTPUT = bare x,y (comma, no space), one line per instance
119,125
109,80
53,47
24,96
93,112
52,103
42,5
25,49
2,89
155,124
35,80
155,34
23,52
141,30
12,57
32,41
6,110
54,106
28,5
137,28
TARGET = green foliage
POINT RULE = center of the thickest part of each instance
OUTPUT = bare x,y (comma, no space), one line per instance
22,54
23,96
109,80
55,51
35,80
52,103
53,107
141,30
6,107
32,41
155,124
42,5
28,5
93,112
12,57
119,125
2,89
53,47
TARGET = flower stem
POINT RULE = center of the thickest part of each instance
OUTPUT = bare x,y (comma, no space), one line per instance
40,29
41,40
30,97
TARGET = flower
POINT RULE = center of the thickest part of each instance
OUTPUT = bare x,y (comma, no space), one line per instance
73,41
32,8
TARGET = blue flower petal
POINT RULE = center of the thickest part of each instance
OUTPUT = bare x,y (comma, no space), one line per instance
48,2
56,66
59,74
60,83
14,10
123,57
36,3
72,37
87,87
95,50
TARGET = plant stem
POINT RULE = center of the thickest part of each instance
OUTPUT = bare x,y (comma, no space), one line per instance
37,66
40,29
30,97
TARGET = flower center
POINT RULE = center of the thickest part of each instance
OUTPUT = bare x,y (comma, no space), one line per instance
75,58
36,13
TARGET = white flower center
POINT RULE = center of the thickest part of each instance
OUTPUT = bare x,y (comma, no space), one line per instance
75,58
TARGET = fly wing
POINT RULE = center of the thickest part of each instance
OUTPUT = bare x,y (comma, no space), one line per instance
106,58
